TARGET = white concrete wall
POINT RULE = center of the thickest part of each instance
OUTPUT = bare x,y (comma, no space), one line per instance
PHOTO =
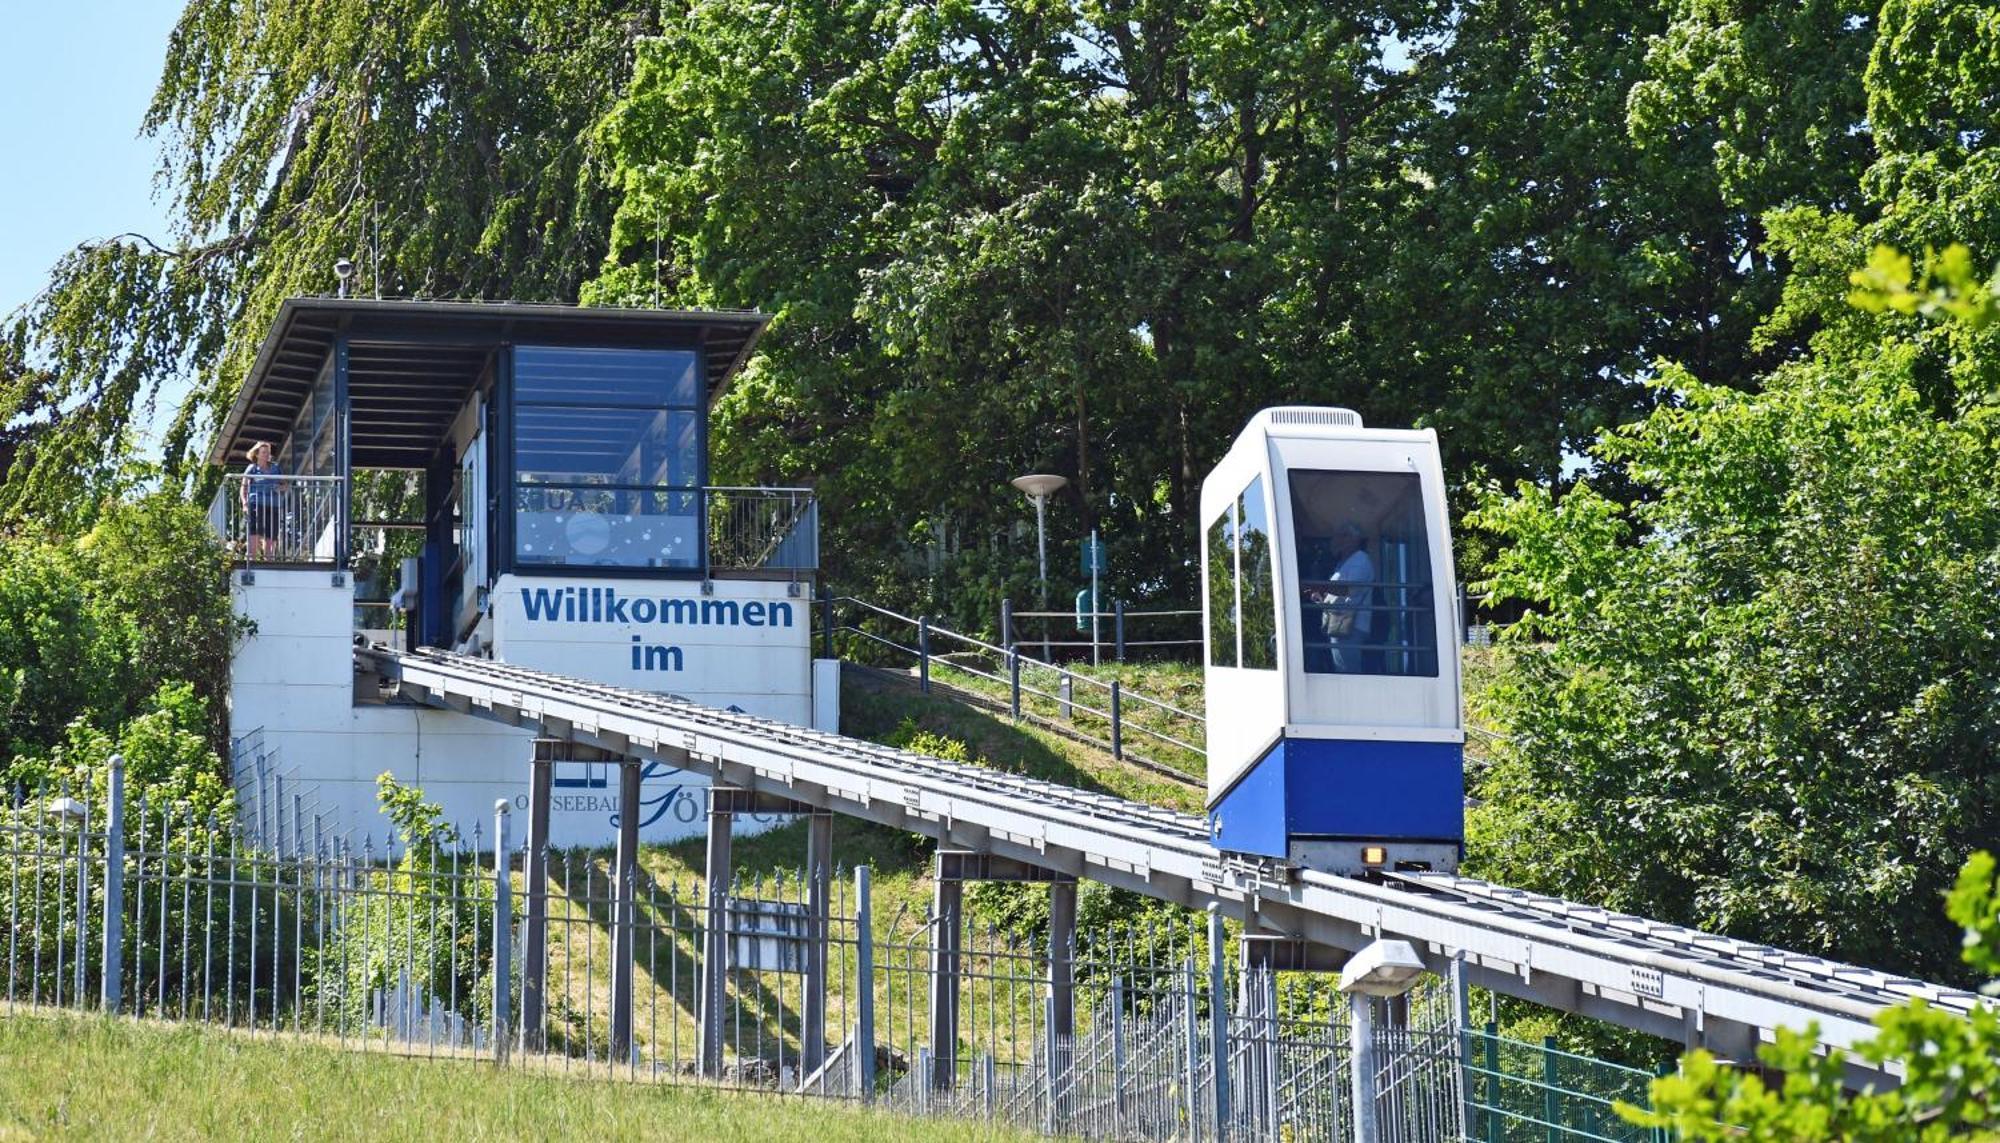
292,681
591,628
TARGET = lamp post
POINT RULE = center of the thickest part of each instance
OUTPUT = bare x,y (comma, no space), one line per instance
1385,968
1039,486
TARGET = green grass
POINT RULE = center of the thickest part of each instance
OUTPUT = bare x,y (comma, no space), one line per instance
94,1078
875,708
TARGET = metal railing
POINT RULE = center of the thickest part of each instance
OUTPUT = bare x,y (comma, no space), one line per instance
279,519
762,529
1120,632
415,946
1057,698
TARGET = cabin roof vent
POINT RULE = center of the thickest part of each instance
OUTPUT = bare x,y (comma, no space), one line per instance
1308,415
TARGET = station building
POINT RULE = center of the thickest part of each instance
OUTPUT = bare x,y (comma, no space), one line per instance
524,482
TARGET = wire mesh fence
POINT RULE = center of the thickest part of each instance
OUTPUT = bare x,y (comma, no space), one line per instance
423,946
1523,1091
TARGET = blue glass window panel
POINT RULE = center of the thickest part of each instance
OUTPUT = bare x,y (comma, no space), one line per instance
657,377
587,526
607,445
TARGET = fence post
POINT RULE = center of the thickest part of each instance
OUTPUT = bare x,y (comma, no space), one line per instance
1218,1019
82,899
1117,722
1191,1032
1065,687
1551,1102
114,887
864,976
503,931
1361,1058
924,653
1118,626
1117,1056
1461,1019
1014,679
1006,622
825,622
1492,1080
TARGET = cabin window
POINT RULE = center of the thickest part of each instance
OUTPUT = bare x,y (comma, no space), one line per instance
1242,595
1257,593
1366,601
1222,589
608,458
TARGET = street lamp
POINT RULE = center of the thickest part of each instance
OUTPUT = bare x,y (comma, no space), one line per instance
1385,968
1039,487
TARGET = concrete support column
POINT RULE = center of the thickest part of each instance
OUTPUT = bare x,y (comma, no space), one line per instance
715,937
946,932
1062,957
1062,993
819,882
624,912
535,924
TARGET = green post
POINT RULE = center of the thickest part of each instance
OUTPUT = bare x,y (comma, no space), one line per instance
1492,1082
1551,1102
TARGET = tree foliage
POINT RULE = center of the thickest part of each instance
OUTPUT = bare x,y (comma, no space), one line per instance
1950,1088
1761,700
1092,237
93,628
1757,687
442,147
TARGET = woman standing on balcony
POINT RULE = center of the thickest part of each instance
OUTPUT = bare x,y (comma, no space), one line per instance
259,497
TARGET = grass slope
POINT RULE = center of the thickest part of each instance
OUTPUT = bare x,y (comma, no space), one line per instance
112,1079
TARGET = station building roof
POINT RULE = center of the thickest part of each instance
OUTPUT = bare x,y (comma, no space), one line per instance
412,364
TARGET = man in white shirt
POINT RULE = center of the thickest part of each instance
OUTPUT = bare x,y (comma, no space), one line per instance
1349,621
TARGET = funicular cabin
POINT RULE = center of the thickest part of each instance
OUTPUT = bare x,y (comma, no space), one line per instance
525,482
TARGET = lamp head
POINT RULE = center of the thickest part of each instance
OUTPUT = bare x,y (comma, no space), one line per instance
1384,968
1040,484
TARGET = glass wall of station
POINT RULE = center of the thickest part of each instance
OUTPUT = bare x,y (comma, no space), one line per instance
309,449
609,457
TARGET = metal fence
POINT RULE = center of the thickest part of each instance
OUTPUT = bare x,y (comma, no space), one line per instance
1169,738
1524,1092
415,946
280,519
762,529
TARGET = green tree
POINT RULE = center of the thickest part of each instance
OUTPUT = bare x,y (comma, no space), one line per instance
65,652
1760,699
1951,1083
1084,237
442,147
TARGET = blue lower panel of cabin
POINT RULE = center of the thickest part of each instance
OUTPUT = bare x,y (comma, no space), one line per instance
1339,788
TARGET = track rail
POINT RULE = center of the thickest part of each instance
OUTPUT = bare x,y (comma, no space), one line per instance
1663,979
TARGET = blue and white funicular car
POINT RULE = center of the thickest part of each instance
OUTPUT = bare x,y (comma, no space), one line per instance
1334,734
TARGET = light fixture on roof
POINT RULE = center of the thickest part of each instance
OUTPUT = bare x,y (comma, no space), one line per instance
343,269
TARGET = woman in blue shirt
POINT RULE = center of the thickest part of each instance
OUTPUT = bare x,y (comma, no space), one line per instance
260,497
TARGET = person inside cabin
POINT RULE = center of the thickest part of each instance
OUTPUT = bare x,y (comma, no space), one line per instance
260,498
1348,619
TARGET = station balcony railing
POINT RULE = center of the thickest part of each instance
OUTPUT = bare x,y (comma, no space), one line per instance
279,519
762,529
295,520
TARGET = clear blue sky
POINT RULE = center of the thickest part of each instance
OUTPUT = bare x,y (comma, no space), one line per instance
75,78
